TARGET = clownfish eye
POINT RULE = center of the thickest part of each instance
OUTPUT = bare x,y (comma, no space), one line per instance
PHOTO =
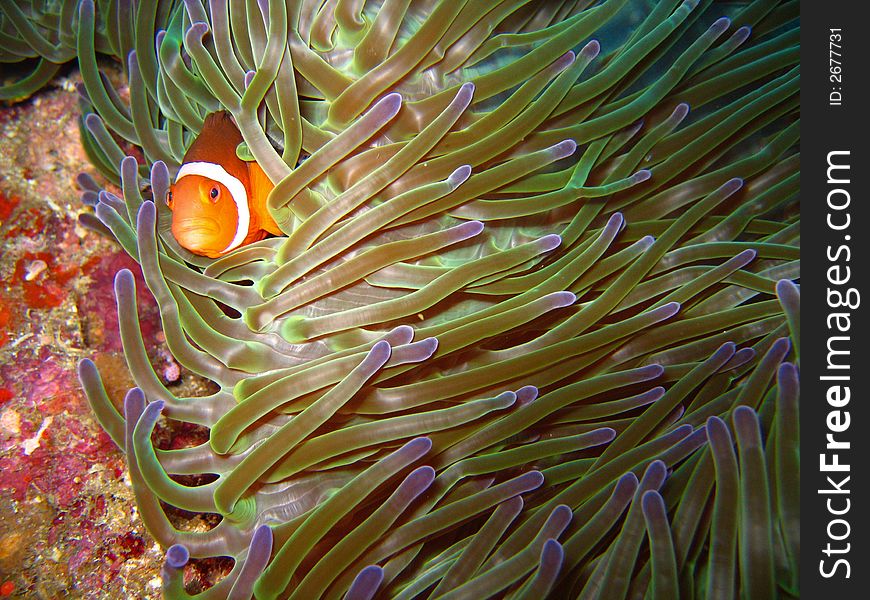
214,193
169,199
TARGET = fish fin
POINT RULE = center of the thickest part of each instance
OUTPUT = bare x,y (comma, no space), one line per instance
216,143
261,185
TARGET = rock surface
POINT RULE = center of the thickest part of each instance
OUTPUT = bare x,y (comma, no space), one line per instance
68,523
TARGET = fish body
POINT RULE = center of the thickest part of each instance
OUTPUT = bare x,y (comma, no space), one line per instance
218,201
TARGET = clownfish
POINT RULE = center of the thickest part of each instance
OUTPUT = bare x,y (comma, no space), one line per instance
218,201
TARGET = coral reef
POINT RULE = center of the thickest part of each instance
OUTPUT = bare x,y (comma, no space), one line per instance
532,326
68,525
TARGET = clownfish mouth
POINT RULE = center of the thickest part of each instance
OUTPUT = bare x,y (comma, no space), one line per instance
199,235
197,225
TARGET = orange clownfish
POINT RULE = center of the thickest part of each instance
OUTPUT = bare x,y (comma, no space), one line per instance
218,201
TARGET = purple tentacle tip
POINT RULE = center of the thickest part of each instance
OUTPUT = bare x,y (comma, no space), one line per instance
742,34
505,399
746,257
93,122
680,432
565,61
417,447
87,368
261,541
552,556
86,182
741,357
550,242
666,311
197,30
716,427
177,556
420,479
680,111
697,438
562,299
526,394
725,352
129,167
146,216
744,412
464,95
428,347
459,176
657,470
591,49
469,229
378,355
787,288
532,479
124,279
564,148
401,335
642,175
788,371
390,104
151,414
159,169
134,404
82,91
603,435
615,221
158,41
366,583
414,353
653,504
732,185
720,25
90,198
746,426
653,395
780,347
263,5
109,200
259,551
561,516
648,372
626,486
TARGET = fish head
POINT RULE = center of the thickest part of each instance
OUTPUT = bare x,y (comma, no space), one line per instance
204,216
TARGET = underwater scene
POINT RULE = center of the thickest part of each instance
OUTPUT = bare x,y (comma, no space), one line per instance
399,299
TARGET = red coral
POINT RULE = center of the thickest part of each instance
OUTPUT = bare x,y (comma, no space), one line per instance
8,204
48,288
102,330
32,223
5,321
14,477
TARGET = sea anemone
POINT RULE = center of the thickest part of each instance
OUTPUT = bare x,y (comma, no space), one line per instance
533,289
